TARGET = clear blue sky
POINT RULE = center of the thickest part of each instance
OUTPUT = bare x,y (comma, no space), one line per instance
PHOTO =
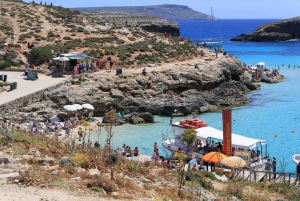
225,9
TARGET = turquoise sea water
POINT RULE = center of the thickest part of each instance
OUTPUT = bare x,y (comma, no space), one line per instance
274,109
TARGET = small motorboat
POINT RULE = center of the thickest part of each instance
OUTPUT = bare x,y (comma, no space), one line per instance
296,158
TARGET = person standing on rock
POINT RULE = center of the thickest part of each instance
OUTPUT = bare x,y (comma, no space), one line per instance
111,63
12,39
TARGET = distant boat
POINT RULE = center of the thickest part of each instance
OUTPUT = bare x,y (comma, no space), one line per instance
296,158
212,42
293,40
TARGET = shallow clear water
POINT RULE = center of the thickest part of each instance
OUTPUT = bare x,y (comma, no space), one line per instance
274,109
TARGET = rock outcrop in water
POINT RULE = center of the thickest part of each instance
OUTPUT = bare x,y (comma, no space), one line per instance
283,30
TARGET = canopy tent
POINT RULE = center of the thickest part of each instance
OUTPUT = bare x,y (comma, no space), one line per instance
63,59
238,141
56,58
261,63
74,55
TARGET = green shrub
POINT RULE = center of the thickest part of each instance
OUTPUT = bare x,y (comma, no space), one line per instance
4,64
80,29
40,54
67,38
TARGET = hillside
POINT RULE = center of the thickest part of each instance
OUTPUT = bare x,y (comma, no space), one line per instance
283,30
166,11
44,26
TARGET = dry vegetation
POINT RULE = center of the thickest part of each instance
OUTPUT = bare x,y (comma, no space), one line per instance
131,179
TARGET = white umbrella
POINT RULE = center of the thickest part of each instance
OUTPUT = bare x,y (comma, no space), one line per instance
261,63
77,106
70,107
88,106
253,67
63,59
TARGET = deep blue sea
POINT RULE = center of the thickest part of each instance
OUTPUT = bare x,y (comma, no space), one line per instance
274,109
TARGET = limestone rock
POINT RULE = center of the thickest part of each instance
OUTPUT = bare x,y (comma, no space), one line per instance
64,161
115,93
34,151
46,161
4,160
94,172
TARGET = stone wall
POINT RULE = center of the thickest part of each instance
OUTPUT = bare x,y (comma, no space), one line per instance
9,109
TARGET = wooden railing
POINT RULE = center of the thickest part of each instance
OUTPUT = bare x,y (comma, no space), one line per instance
258,175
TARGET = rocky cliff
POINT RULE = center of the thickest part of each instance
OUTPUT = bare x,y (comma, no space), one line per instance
166,11
283,30
199,90
148,23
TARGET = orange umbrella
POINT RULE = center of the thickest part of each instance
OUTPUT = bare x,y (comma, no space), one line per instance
213,157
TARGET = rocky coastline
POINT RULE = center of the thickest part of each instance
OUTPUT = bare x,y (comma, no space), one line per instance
166,88
283,30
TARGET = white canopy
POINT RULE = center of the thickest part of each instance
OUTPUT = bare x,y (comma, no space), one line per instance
261,63
88,106
56,58
238,141
63,59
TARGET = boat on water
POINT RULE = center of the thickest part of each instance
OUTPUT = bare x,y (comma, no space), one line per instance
296,158
212,42
253,151
293,40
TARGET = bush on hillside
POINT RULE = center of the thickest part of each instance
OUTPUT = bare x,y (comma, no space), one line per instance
40,54
4,64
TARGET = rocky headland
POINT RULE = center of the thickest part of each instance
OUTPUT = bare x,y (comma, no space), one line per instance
150,23
170,12
283,30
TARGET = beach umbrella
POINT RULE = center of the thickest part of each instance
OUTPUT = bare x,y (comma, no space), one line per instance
88,106
253,67
261,63
233,162
77,106
213,157
70,107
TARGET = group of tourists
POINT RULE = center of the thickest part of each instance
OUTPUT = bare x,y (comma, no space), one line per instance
41,3
127,151
90,67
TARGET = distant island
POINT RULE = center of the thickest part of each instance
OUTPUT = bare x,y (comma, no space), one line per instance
283,30
170,12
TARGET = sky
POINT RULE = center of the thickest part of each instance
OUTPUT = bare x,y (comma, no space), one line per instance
224,9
